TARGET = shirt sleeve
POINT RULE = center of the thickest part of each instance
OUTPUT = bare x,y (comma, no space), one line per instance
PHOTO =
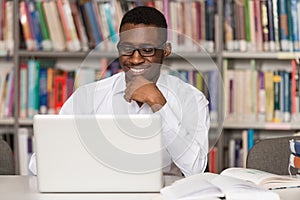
186,123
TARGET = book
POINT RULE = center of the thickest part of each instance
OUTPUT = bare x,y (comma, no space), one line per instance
295,147
46,42
261,178
294,161
250,184
54,25
23,68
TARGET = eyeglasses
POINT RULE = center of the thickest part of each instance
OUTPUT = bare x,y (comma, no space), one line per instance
126,50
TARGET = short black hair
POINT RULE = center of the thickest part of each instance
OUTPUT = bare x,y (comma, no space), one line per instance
144,15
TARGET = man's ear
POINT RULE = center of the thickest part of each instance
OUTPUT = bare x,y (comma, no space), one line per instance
168,49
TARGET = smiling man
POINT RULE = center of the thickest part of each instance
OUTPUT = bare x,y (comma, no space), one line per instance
142,89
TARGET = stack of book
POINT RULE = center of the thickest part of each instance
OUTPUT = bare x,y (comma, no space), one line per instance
295,154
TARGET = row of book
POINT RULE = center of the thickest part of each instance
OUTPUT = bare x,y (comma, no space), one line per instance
6,27
239,147
272,94
44,87
262,25
81,25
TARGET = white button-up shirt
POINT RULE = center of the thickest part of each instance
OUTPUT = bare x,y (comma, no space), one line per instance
185,116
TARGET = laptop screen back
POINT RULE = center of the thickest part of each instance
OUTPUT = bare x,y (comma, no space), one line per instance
98,153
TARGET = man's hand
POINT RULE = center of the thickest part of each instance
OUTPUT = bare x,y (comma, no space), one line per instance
141,90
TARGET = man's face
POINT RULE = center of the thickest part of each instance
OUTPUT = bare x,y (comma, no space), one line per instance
144,38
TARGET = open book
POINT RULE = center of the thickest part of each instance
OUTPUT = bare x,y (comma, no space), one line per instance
263,179
231,184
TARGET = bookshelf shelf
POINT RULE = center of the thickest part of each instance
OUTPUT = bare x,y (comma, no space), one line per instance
262,125
26,122
7,121
261,55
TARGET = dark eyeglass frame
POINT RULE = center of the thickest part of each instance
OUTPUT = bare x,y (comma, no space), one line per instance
141,50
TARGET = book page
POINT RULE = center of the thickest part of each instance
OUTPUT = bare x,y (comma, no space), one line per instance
264,179
235,188
193,187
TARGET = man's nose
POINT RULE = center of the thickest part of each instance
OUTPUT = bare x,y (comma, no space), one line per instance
136,57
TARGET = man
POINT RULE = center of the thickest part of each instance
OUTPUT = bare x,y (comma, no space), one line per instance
141,89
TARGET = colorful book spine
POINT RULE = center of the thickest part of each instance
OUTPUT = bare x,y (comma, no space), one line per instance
295,161
36,24
294,25
60,91
283,27
33,89
43,104
271,26
9,95
8,33
276,24
286,96
265,25
247,25
250,139
262,97
30,45
277,82
295,146
209,17
23,90
258,25
46,42
89,10
55,26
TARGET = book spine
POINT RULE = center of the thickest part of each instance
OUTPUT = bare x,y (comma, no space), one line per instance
26,27
276,24
294,25
8,30
43,106
241,25
265,25
293,87
36,24
250,139
295,147
286,97
271,26
252,26
228,25
46,43
89,10
60,91
262,97
33,91
269,96
209,17
295,161
277,82
55,26
283,26
258,26
23,91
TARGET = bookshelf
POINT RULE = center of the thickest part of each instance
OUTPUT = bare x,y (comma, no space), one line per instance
229,129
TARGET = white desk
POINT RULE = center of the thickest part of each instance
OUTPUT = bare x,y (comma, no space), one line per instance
25,188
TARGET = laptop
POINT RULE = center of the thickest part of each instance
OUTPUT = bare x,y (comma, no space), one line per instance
98,153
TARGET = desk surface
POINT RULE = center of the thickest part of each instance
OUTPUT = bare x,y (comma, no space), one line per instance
25,188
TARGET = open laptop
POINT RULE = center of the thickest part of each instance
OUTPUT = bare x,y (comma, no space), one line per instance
98,153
